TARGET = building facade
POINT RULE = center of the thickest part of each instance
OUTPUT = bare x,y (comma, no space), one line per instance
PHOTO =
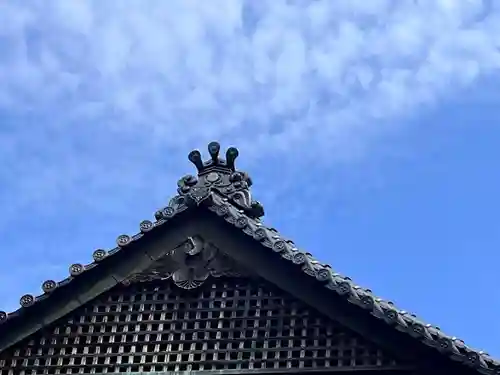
207,288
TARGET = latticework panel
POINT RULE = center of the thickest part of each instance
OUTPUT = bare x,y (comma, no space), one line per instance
225,324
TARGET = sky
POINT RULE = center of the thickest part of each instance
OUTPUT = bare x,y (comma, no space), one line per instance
370,130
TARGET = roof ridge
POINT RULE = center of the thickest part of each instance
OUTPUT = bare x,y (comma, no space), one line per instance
343,285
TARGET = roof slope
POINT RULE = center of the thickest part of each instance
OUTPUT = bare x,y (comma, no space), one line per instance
223,192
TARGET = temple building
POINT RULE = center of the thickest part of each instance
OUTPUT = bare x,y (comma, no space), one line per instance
207,288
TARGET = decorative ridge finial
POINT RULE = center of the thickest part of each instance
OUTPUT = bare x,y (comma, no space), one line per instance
195,158
231,155
220,175
214,162
213,149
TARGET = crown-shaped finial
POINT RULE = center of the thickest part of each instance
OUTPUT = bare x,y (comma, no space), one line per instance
215,162
220,176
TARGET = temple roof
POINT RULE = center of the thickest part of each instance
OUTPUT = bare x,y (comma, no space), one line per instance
223,192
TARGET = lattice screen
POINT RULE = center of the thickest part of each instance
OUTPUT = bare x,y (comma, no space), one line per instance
225,324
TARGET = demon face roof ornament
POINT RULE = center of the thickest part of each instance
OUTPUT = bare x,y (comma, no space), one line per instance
220,176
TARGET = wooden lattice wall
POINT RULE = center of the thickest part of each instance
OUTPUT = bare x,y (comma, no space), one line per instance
224,324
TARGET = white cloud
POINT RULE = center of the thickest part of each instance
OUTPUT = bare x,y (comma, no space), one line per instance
241,66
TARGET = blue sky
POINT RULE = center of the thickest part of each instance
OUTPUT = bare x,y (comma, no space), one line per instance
370,129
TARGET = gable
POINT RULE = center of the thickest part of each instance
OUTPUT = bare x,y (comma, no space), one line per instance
217,210
227,323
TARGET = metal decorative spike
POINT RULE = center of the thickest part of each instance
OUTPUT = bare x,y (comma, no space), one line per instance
213,149
195,158
231,155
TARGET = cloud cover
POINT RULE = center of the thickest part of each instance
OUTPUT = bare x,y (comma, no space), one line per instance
280,70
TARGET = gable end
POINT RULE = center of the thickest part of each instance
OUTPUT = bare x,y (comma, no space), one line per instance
227,324
218,208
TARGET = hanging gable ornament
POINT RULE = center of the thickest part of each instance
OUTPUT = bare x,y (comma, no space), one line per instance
189,265
219,176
